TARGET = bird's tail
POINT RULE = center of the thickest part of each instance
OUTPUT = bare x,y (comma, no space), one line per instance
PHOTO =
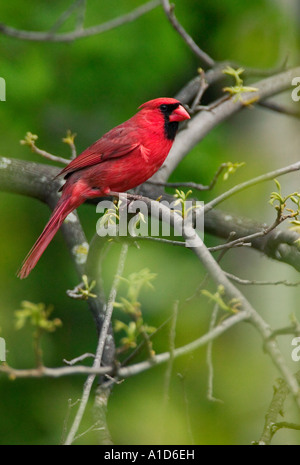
61,211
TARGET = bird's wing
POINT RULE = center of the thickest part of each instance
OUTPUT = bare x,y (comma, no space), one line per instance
118,142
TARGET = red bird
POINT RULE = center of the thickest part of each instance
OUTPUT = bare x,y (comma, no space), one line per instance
122,159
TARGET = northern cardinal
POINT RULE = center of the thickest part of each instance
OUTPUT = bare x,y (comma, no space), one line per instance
122,159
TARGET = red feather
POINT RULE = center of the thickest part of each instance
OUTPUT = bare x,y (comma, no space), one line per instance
122,159
114,144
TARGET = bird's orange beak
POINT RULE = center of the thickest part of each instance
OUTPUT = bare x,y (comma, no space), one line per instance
179,114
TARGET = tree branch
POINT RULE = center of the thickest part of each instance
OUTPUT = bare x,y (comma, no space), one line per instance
203,122
204,57
252,182
100,349
231,292
79,33
131,370
281,391
66,15
274,106
37,181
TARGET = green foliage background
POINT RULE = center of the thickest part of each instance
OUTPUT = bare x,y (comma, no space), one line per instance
89,86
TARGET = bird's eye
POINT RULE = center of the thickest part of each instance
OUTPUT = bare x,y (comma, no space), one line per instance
164,107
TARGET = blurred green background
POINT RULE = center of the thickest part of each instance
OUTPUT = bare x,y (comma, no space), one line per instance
89,86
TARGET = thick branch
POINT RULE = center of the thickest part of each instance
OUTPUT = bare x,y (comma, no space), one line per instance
279,245
202,123
36,180
231,292
255,319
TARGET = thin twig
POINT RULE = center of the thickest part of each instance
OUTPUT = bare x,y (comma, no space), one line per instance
137,368
223,249
286,424
73,150
187,408
209,362
169,10
250,237
172,350
81,15
30,141
193,185
79,33
139,348
58,372
161,240
260,283
94,427
274,106
278,68
131,370
203,85
213,105
78,359
252,182
66,15
294,329
66,419
100,348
